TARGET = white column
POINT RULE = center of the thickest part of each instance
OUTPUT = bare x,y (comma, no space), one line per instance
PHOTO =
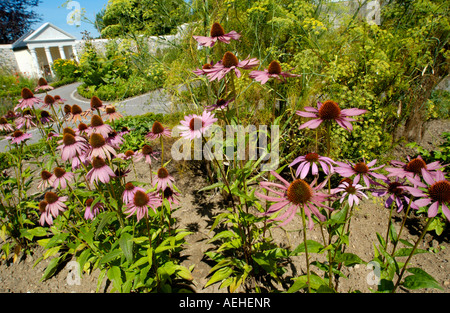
75,53
49,58
35,61
61,52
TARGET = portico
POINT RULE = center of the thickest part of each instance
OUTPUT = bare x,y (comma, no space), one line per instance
38,49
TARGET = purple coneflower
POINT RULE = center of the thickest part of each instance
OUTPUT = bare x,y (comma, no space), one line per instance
437,193
26,119
45,180
293,196
217,33
81,129
128,193
5,126
162,179
76,114
43,85
60,178
329,111
360,169
310,161
219,105
45,117
111,113
59,100
413,168
158,130
100,147
395,190
55,204
91,212
201,71
28,100
229,63
49,101
96,104
100,171
146,152
194,126
273,71
171,196
18,137
140,203
46,216
72,146
114,139
350,190
97,126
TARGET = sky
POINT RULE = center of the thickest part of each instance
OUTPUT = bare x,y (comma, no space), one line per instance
52,11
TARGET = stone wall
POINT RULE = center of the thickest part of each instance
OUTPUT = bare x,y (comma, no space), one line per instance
8,60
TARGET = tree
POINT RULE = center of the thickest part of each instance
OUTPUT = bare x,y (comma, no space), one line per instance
149,17
16,19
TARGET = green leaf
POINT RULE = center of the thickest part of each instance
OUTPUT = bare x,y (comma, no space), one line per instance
407,252
349,259
51,268
111,256
115,275
223,234
106,219
220,275
216,185
420,279
126,244
313,247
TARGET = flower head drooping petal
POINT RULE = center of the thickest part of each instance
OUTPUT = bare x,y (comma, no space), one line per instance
28,100
292,196
273,71
140,203
194,126
100,171
229,63
217,34
43,85
157,131
329,111
309,162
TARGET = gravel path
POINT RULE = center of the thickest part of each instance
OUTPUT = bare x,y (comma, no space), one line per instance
155,101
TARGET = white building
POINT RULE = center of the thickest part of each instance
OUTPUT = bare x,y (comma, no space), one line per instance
34,52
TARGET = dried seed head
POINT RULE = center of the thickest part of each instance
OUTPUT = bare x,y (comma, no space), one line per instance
96,140
361,168
51,197
26,93
57,97
76,109
3,121
96,121
140,198
206,66
162,173
68,139
49,99
59,172
416,165
217,30
274,68
45,175
168,192
96,103
42,82
129,153
45,114
329,110
440,191
346,180
299,192
157,128
98,162
229,60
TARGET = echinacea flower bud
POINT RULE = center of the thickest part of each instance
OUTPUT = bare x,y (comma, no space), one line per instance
96,103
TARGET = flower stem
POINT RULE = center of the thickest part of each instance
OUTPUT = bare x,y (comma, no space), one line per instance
412,253
389,222
403,224
306,249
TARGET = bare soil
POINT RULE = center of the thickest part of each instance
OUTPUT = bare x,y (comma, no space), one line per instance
197,212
